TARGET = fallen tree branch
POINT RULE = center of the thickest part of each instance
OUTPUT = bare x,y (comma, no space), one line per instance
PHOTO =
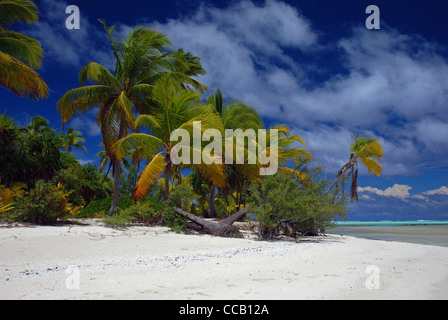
223,228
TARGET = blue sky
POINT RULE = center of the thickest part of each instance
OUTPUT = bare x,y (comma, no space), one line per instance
312,65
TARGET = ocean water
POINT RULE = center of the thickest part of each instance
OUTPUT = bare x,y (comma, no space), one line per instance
428,232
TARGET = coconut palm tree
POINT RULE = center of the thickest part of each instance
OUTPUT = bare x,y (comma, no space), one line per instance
37,125
140,61
177,109
234,115
72,139
238,115
290,149
369,151
20,54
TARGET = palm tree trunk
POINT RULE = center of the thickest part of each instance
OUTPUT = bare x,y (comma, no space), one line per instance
107,173
211,204
354,185
117,174
341,173
116,195
167,177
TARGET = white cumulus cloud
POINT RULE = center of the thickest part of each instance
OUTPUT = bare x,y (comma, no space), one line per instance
397,191
395,87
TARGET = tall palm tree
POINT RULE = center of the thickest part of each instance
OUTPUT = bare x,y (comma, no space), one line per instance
20,54
177,109
234,115
140,61
238,115
72,139
369,151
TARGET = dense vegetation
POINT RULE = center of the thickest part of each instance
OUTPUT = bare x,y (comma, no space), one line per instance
151,92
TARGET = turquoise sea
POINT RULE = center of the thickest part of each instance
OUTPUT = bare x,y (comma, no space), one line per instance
429,232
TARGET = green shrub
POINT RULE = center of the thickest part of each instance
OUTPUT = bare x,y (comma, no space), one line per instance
142,212
182,196
156,205
98,207
282,205
145,210
119,219
44,204
174,221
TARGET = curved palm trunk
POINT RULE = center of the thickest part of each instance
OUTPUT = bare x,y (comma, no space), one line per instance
107,173
350,165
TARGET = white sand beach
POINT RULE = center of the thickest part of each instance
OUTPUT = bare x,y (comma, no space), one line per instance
97,262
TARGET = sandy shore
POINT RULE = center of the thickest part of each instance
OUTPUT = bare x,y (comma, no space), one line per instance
97,262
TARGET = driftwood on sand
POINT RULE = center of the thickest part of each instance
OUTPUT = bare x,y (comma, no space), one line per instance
222,228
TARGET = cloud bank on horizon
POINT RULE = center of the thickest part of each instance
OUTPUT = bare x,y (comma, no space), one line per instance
396,203
388,85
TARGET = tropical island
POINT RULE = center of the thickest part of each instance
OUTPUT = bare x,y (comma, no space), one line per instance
152,93
139,191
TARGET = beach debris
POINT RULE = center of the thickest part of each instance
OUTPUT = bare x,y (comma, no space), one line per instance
222,228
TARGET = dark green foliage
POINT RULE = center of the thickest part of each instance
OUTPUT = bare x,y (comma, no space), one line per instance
29,154
9,151
32,153
282,205
8,130
201,187
98,207
44,156
44,204
174,221
182,197
147,211
85,181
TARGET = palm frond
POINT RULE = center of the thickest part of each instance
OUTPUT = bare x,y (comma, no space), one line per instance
372,165
214,172
21,79
300,175
241,116
149,175
145,143
17,10
21,47
125,107
98,74
141,91
79,100
148,121
367,147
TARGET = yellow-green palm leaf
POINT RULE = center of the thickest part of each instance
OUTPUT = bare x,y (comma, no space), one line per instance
367,147
369,150
145,143
17,10
20,54
20,78
149,175
21,47
372,165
